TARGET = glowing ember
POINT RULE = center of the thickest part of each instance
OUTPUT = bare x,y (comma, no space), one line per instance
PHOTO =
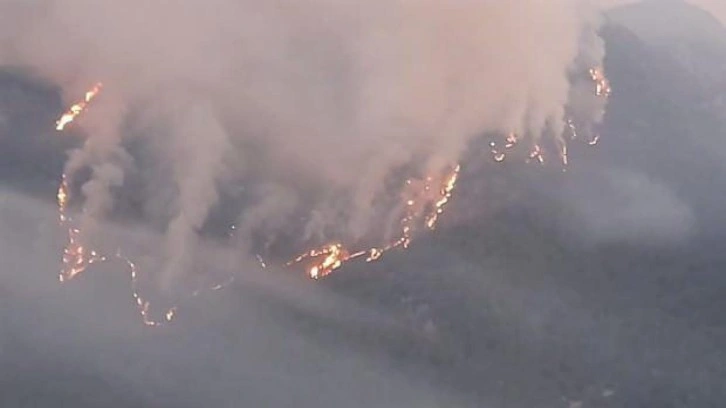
374,254
424,206
511,141
425,201
142,305
77,108
602,90
324,260
427,209
497,155
76,258
573,129
261,261
594,140
536,154
563,155
63,198
446,191
602,85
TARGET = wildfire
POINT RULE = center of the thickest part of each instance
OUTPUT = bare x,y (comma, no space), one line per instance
602,85
573,129
509,143
77,258
324,260
602,90
536,154
62,197
143,306
497,155
77,108
563,155
424,202
446,191
425,208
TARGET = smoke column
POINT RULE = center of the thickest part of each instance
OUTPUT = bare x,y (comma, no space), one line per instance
198,146
322,100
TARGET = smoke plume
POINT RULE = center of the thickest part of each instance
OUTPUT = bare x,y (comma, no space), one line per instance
317,102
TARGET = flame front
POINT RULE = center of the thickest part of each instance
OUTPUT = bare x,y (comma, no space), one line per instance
77,108
77,257
602,89
424,202
446,192
322,261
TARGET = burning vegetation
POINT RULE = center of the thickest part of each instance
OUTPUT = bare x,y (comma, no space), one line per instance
424,201
78,108
536,153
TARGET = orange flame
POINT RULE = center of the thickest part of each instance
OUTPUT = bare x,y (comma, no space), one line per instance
77,108
602,85
324,260
602,90
446,192
77,258
321,262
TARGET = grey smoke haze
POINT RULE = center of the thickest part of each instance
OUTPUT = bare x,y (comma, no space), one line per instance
615,206
107,160
197,153
337,94
89,327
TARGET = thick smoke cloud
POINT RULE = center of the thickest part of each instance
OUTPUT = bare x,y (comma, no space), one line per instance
107,159
55,336
197,152
316,100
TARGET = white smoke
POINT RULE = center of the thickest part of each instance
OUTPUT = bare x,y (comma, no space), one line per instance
197,151
323,99
107,159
